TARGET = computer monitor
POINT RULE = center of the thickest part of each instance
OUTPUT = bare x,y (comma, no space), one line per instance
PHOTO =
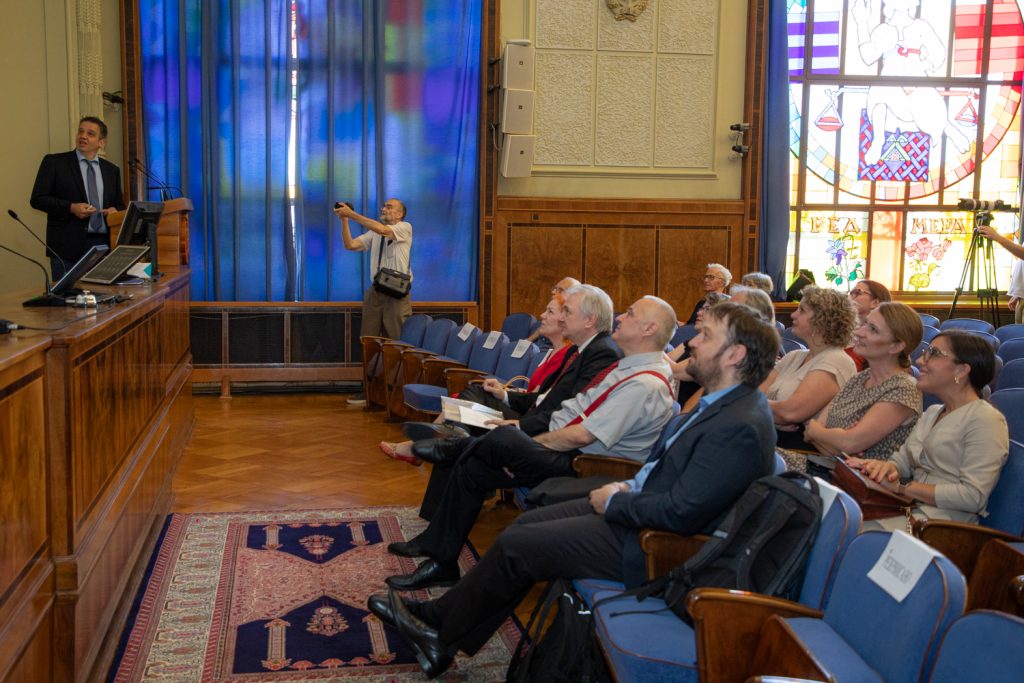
63,287
137,219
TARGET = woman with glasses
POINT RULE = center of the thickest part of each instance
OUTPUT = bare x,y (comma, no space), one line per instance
716,279
867,295
874,413
951,461
804,381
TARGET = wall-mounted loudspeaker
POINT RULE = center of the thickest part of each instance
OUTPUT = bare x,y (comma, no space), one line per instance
517,156
517,67
517,111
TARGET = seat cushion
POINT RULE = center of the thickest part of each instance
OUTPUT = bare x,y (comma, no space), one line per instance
425,397
645,641
587,587
841,660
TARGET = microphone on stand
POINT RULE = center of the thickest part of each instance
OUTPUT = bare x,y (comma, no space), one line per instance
164,188
47,299
10,212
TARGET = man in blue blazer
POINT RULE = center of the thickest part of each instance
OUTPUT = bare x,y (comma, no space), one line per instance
706,460
77,190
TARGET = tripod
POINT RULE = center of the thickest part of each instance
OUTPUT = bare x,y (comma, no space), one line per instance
982,273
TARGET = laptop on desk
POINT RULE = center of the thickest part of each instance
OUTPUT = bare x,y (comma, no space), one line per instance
116,264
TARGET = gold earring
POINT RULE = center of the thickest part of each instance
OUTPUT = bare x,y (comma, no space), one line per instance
956,379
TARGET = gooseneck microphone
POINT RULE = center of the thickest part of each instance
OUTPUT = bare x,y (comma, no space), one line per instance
158,184
47,299
10,212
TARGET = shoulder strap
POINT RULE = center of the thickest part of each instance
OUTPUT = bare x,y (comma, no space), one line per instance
603,397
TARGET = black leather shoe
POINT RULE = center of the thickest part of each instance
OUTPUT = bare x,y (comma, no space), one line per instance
419,431
379,605
407,549
431,653
427,575
439,451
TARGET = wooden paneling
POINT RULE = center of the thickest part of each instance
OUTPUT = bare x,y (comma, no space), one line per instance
630,248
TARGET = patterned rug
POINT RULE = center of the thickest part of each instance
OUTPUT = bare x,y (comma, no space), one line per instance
281,596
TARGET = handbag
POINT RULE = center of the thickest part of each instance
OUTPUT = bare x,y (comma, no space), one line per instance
388,282
876,502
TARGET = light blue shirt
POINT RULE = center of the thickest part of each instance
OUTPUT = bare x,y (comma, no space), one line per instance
637,482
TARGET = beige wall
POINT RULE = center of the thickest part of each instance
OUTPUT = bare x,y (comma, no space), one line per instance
719,179
38,54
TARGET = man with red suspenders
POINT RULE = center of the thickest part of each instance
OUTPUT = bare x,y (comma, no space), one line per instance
621,413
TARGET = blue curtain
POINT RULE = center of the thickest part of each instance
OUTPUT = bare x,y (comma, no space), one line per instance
264,131
774,229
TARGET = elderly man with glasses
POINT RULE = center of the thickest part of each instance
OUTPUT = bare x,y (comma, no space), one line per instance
716,279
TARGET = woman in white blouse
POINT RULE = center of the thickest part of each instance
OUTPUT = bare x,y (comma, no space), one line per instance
951,461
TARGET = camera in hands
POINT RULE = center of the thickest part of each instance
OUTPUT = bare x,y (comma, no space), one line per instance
983,205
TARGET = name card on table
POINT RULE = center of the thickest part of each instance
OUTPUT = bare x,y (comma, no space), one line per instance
901,565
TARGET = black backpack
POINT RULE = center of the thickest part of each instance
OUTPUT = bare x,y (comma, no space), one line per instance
761,546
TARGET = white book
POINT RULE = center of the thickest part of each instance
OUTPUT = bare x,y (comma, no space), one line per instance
468,412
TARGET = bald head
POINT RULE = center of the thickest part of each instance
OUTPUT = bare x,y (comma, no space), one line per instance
564,284
646,326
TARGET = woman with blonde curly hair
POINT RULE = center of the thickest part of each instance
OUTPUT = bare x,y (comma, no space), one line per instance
804,381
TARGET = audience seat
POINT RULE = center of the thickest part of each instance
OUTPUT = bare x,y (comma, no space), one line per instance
508,368
995,579
928,319
1011,331
374,375
790,344
1012,375
684,333
518,326
435,337
423,399
644,641
962,543
1010,403
970,324
1011,349
930,333
863,634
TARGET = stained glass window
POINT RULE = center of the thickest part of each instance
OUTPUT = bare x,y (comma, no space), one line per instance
899,109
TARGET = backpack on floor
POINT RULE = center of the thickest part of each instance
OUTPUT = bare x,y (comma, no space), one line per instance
762,545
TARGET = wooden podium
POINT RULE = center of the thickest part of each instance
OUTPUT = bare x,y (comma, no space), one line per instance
171,231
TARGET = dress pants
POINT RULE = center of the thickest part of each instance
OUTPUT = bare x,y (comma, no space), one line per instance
383,315
504,458
560,541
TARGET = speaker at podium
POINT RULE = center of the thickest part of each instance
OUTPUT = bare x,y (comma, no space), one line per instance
517,156
517,111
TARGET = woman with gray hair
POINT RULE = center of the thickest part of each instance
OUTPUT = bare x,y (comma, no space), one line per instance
758,280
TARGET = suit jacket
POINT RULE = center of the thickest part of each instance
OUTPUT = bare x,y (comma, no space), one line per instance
58,185
599,354
698,479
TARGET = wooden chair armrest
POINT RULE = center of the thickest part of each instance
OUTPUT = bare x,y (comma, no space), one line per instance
586,465
728,626
997,579
665,550
779,650
1017,591
412,365
777,679
458,379
392,354
960,542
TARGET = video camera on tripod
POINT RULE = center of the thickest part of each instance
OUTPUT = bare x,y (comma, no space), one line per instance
984,205
979,262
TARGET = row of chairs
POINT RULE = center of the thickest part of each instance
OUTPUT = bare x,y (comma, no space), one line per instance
842,627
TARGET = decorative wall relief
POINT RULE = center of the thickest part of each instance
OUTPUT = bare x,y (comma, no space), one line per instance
627,9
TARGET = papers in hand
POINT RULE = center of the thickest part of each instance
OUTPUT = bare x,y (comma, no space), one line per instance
468,413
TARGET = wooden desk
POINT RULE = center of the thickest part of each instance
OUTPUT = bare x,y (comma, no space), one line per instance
105,396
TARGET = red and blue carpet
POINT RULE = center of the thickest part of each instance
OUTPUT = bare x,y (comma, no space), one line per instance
281,596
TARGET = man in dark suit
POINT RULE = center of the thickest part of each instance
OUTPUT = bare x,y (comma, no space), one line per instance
77,190
707,460
586,320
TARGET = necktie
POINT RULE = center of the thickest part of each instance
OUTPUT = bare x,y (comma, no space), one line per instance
570,358
600,376
95,220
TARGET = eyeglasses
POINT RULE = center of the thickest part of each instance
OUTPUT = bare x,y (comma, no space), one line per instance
713,277
934,352
859,292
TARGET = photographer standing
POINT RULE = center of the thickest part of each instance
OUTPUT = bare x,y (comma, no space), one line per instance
1016,288
389,242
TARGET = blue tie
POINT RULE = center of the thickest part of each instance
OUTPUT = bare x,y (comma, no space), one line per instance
95,220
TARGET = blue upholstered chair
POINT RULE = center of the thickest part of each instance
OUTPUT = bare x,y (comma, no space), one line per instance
791,344
929,333
992,339
779,327
928,319
1010,403
425,397
788,334
1012,375
1011,331
518,326
862,634
647,642
399,357
969,324
1011,349
916,353
981,646
374,375
684,333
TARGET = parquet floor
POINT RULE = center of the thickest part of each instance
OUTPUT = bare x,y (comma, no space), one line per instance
292,451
